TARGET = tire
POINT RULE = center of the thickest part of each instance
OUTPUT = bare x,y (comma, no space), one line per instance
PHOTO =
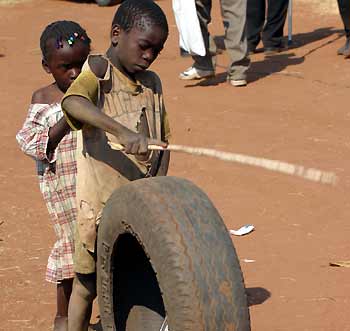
163,250
103,3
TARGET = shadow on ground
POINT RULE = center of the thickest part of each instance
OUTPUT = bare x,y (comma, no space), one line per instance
257,295
302,39
270,65
298,39
276,64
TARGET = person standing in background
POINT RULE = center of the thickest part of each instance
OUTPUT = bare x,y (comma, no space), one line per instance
234,19
266,25
344,9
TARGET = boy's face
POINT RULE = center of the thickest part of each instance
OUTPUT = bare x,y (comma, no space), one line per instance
65,63
137,49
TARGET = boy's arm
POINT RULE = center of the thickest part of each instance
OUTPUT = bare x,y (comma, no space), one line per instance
84,111
79,106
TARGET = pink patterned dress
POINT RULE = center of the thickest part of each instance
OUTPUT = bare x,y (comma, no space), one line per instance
57,175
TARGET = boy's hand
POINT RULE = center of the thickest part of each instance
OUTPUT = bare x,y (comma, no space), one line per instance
135,143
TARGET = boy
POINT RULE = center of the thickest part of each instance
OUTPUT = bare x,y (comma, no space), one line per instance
114,99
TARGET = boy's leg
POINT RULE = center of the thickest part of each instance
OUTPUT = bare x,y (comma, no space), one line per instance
80,304
84,285
234,17
88,206
64,290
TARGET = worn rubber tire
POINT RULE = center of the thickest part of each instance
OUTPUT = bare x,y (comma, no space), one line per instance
104,3
163,249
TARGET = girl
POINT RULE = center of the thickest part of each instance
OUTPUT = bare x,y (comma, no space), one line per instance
46,137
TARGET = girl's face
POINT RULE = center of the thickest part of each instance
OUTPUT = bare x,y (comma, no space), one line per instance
65,63
135,50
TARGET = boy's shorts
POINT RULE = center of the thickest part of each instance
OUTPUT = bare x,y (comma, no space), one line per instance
96,181
84,260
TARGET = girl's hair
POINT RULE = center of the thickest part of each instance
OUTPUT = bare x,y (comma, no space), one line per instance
60,31
141,14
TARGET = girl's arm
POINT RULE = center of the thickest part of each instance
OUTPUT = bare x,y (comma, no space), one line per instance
41,127
56,134
34,136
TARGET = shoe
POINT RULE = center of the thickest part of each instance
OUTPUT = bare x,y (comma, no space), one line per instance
345,50
251,50
238,82
274,50
194,73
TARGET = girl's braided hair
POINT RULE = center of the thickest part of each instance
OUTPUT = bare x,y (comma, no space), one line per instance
141,14
68,31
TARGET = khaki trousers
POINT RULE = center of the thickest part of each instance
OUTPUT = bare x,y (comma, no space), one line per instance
234,20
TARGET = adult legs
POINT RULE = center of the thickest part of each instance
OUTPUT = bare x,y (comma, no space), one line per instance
203,66
64,290
80,304
203,11
255,22
234,18
344,9
276,17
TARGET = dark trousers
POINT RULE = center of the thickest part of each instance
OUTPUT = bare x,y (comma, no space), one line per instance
344,9
271,31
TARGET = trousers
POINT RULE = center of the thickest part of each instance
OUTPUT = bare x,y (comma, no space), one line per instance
234,20
268,27
344,9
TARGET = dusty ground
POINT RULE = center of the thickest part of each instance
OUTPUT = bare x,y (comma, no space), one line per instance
294,109
324,7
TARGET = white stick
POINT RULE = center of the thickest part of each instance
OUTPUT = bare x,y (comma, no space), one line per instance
312,174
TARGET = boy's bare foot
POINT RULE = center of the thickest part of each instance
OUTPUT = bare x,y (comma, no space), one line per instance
60,323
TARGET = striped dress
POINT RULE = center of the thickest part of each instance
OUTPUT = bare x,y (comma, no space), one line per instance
57,175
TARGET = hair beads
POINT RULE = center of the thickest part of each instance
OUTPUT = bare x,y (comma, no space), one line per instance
59,32
70,40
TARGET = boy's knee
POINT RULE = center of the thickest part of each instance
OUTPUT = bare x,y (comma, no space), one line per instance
85,286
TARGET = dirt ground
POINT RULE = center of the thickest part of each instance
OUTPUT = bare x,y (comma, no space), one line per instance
295,109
